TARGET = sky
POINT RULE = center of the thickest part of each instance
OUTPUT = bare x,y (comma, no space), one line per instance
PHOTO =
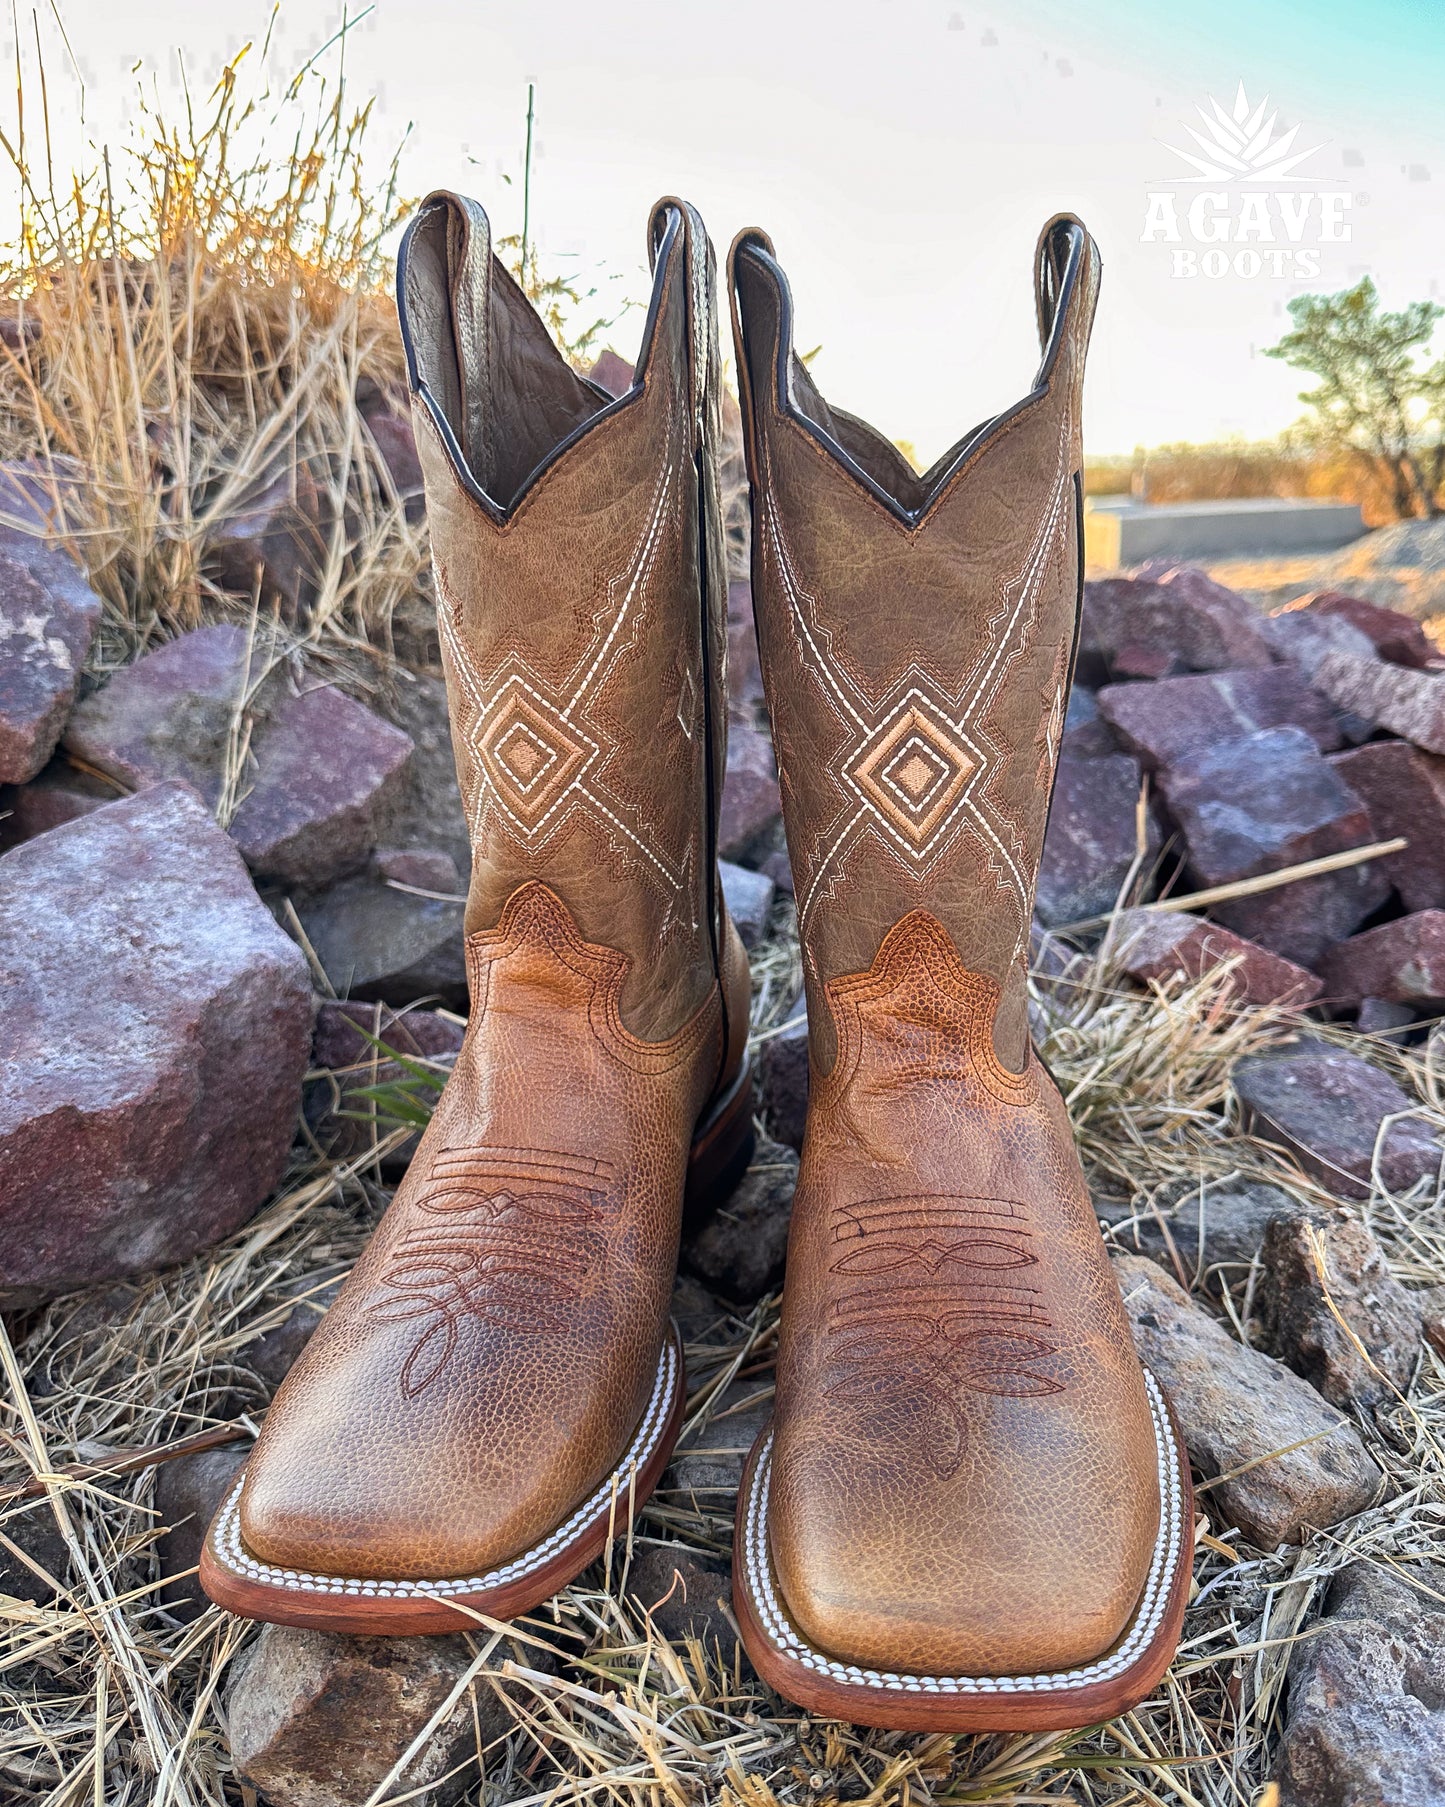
903,154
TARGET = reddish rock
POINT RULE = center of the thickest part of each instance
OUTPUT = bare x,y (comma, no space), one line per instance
1091,839
1264,802
61,793
1086,734
612,373
745,677
1396,637
376,942
1408,703
783,1077
1163,722
395,440
1174,621
275,546
171,714
154,1028
343,1051
1404,791
48,618
1327,1107
1302,638
327,771
1402,962
420,868
751,800
1156,945
324,771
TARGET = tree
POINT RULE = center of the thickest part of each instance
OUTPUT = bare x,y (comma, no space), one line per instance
1373,398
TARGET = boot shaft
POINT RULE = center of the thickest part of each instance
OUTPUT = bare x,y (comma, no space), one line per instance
577,549
917,637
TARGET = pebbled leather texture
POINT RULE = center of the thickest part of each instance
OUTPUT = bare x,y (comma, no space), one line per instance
487,1361
964,1469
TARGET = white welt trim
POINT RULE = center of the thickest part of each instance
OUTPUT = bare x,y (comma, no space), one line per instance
228,1548
1142,1630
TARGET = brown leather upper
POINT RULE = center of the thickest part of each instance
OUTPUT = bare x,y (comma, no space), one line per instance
488,1359
964,1476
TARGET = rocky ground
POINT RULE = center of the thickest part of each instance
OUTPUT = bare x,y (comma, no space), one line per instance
231,984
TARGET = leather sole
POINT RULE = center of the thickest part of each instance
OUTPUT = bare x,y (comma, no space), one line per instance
242,1583
1061,1701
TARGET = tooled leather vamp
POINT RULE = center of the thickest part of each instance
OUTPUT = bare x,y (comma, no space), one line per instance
963,1475
490,1356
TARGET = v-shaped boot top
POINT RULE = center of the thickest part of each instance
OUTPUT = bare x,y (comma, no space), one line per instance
505,401
1066,280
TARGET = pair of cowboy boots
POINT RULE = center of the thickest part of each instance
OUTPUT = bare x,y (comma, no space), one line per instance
971,1510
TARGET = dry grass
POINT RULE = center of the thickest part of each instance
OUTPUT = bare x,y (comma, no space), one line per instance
107,1697
191,323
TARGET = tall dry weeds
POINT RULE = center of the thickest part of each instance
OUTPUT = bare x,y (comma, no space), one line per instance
192,326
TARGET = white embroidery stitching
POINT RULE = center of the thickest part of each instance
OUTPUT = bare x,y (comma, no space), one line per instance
228,1548
1168,1552
920,718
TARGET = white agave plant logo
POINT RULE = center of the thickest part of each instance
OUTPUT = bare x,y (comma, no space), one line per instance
1272,219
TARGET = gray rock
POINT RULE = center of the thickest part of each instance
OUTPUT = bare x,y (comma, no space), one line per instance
429,812
48,618
419,869
353,1064
685,1596
739,1251
187,1494
698,1315
1366,1721
1328,1109
1237,1409
318,1720
1408,703
1303,1331
271,1355
376,942
1302,637
274,546
1086,734
1221,1227
708,1466
154,1028
37,1537
749,898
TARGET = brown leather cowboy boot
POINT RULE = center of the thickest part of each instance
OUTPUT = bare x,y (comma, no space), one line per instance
971,1510
496,1387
